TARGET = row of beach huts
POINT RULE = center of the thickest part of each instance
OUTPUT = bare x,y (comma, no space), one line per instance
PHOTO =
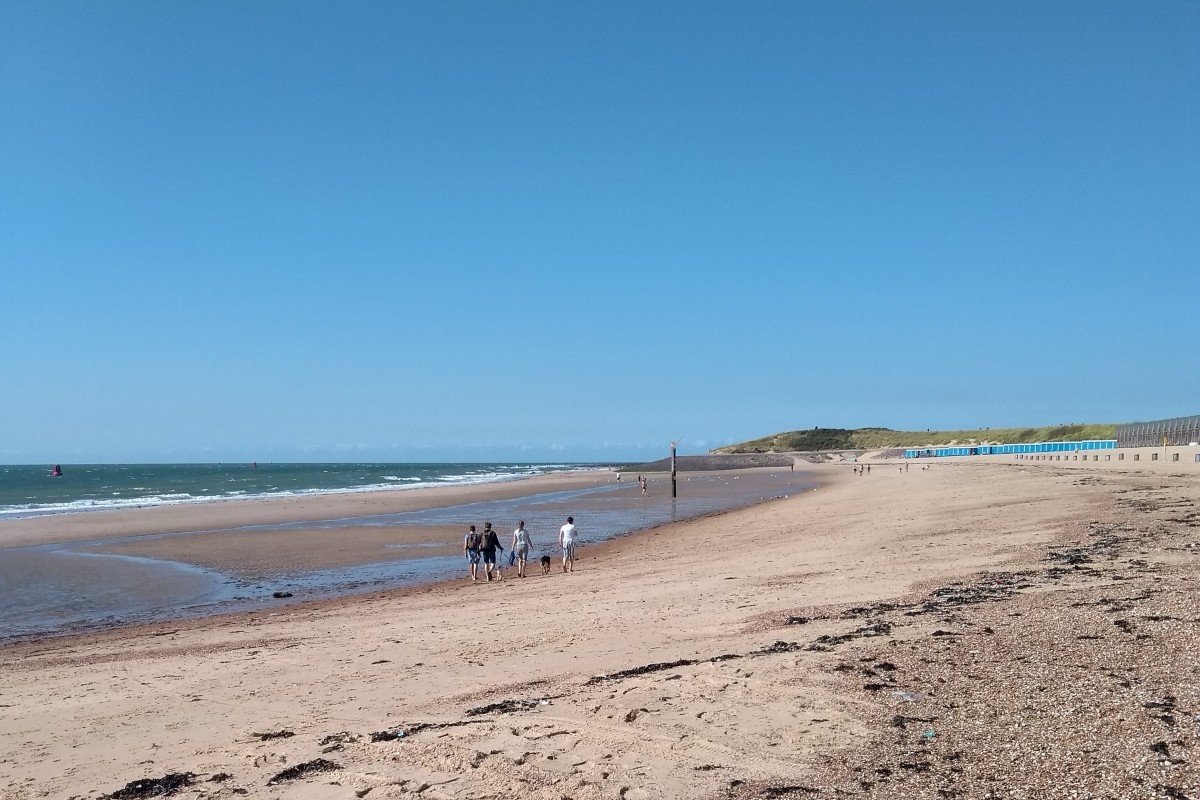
1179,431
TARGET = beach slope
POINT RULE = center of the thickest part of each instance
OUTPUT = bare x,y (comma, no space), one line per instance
950,632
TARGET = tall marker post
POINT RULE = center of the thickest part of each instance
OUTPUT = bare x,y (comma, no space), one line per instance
673,492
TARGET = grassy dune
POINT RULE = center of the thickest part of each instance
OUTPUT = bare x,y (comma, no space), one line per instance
884,438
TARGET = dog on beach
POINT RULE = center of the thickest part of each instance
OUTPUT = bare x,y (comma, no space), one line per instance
545,565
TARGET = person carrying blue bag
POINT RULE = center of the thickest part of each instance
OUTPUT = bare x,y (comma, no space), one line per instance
521,545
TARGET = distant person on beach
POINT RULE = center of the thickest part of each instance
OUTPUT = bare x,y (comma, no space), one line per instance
57,471
567,535
868,469
472,544
491,543
521,544
642,482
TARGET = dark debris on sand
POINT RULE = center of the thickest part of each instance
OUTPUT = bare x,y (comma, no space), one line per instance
509,706
153,787
336,741
1028,693
659,667
767,790
300,770
269,735
778,647
876,628
403,732
988,587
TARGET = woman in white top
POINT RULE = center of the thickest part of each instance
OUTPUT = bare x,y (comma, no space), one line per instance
520,547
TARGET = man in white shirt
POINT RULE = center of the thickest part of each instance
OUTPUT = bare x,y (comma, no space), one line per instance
567,535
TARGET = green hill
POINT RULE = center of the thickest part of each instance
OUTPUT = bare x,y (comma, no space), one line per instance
884,438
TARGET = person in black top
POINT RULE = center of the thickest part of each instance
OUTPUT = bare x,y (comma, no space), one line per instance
491,543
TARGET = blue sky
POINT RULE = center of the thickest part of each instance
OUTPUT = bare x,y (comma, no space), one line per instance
575,231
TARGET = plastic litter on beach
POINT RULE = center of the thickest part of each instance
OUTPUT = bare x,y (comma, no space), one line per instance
912,697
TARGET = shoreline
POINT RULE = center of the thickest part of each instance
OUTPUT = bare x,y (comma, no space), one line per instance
726,657
588,550
237,512
501,472
273,554
153,502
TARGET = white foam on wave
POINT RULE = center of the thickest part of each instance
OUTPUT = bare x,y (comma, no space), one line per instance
92,504
26,510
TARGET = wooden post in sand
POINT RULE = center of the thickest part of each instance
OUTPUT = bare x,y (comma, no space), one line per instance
672,470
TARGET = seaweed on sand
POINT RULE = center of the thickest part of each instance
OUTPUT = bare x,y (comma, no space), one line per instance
300,770
153,787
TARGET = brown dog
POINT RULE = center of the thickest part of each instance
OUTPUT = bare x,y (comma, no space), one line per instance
545,565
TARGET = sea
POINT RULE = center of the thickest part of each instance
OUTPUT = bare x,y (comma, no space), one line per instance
27,491
43,591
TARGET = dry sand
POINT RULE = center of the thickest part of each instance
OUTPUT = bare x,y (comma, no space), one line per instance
1041,622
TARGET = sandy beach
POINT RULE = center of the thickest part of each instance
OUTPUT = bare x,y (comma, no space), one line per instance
976,629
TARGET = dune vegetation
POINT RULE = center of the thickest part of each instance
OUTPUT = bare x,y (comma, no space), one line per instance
821,439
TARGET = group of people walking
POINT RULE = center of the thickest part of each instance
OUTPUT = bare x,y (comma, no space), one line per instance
483,546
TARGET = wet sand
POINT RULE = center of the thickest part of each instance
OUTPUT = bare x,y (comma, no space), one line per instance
253,555
283,551
973,630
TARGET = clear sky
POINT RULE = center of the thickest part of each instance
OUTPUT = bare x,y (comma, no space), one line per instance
576,230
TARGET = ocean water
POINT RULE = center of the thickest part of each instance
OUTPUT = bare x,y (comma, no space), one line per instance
32,490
